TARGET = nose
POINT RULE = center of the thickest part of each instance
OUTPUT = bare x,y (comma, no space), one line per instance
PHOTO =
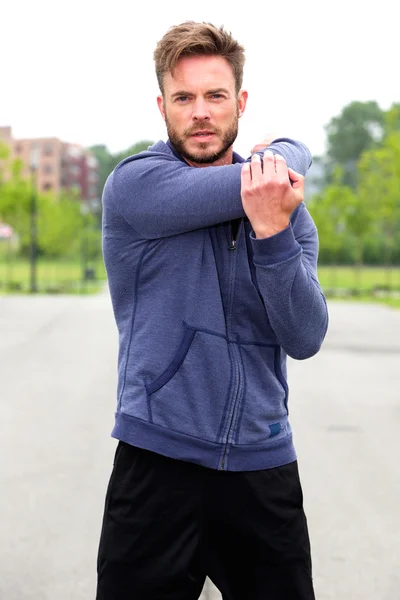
201,110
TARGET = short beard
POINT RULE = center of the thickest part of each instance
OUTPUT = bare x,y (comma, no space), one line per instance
228,138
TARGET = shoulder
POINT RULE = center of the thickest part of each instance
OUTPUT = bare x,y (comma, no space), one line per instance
145,163
159,151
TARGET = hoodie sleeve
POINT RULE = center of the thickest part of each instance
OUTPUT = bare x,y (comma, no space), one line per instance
158,195
286,271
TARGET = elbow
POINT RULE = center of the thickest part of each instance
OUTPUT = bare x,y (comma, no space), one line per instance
307,347
305,350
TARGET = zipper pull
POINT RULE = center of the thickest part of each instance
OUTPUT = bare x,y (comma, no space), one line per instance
232,245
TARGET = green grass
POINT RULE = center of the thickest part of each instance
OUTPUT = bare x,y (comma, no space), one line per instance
66,276
53,276
368,284
367,299
366,279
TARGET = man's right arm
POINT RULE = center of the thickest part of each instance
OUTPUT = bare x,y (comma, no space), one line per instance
160,196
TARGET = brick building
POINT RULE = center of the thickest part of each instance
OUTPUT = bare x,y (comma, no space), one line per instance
60,165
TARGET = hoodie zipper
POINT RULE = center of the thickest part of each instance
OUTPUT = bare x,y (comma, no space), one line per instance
238,392
233,229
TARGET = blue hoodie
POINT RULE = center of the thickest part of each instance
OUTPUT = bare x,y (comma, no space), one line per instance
206,313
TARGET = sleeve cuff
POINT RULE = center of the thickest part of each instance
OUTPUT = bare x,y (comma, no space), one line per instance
275,249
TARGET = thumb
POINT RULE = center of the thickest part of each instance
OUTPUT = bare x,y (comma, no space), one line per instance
296,179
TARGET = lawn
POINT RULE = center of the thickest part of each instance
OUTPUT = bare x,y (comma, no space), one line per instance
367,279
369,284
53,276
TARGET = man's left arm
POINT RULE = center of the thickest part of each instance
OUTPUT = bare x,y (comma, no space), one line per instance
286,271
285,246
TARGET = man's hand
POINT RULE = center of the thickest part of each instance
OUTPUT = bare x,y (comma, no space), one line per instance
269,138
267,195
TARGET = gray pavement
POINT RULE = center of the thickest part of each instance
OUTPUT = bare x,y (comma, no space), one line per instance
57,390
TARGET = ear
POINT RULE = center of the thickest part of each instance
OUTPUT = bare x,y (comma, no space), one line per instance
242,99
160,102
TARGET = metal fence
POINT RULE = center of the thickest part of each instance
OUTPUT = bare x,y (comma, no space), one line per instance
76,273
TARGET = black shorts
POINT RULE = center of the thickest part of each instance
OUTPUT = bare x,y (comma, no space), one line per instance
168,524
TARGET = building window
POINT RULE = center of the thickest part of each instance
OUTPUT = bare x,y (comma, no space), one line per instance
47,169
48,149
92,162
92,177
18,149
47,187
74,171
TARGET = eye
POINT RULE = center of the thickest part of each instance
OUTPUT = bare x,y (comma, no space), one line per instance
181,99
217,96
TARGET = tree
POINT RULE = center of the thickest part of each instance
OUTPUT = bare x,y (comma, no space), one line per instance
379,180
392,119
344,218
108,161
329,212
358,128
59,226
359,221
104,159
60,223
4,160
15,199
4,151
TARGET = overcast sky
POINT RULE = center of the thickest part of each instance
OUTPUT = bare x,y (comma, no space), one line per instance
83,70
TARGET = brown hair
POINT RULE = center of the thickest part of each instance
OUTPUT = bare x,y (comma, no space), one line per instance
191,39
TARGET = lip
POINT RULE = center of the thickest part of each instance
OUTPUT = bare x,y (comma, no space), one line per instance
202,135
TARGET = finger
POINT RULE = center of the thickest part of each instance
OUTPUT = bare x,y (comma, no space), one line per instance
296,179
269,165
257,148
256,168
269,138
281,166
246,175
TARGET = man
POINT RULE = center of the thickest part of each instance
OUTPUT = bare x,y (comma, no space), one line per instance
212,271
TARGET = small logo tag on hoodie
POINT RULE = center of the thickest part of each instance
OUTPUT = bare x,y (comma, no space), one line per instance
275,428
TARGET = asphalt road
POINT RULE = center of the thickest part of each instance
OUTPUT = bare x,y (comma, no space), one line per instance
57,390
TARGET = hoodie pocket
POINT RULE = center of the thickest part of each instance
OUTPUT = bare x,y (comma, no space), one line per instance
191,395
264,402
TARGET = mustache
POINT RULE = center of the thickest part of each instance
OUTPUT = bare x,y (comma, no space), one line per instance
201,127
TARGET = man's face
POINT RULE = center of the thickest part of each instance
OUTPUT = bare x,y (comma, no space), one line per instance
201,109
